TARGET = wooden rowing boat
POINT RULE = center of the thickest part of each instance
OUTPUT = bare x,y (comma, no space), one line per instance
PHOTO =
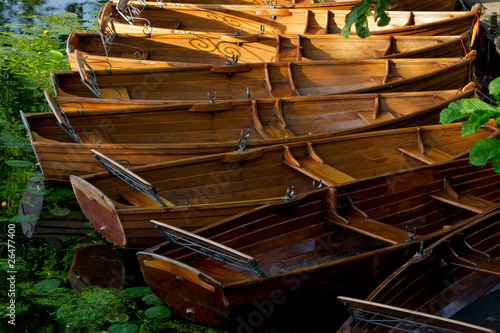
157,19
338,4
202,190
439,282
337,239
143,135
107,49
123,88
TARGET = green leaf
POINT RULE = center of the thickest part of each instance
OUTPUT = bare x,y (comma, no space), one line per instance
60,211
476,120
452,113
152,299
53,54
358,16
117,317
380,13
158,312
136,291
37,190
473,104
494,88
19,163
47,285
483,150
123,328
23,218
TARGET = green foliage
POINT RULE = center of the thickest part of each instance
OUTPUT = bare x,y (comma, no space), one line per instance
152,299
123,328
89,308
359,14
157,312
477,113
136,291
47,285
485,149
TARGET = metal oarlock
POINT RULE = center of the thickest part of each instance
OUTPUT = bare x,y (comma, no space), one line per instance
212,99
289,194
408,234
231,61
319,185
236,32
242,142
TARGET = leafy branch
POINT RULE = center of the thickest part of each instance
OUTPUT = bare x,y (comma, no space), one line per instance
359,17
477,114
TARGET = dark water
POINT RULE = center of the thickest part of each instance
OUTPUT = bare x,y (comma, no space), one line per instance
18,12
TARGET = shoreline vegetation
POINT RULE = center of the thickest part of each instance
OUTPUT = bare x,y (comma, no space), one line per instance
38,295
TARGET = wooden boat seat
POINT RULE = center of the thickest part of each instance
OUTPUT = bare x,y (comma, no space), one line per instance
139,199
431,156
474,262
131,55
465,201
374,229
389,49
367,117
275,130
99,137
314,167
167,24
273,12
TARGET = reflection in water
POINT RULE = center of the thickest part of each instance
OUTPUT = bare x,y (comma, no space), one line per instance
19,12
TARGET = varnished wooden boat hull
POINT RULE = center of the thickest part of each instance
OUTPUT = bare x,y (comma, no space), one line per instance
123,88
177,50
340,4
307,238
444,278
193,18
164,133
222,185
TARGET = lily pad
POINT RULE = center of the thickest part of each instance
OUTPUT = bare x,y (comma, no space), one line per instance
123,328
23,218
117,317
152,299
136,291
38,190
158,312
60,211
47,285
19,163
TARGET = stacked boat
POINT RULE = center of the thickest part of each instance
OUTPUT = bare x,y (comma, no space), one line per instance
252,154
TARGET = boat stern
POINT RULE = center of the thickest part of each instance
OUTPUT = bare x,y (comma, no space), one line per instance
185,289
99,210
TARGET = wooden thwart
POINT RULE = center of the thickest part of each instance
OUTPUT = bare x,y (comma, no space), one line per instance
490,266
468,202
431,155
373,228
314,167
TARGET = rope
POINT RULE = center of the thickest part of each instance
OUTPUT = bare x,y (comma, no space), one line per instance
463,44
